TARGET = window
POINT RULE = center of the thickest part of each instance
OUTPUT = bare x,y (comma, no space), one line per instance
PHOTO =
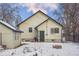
30,29
54,30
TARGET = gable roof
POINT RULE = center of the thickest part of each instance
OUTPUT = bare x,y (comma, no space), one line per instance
41,24
44,21
9,26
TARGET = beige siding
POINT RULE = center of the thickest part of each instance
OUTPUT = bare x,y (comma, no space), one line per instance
8,37
17,40
31,22
47,28
34,21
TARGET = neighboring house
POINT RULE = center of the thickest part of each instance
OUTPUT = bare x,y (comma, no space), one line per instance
9,36
40,27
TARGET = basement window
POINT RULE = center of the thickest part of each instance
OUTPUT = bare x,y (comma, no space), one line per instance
30,29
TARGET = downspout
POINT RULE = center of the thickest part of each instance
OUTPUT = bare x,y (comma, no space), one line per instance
46,30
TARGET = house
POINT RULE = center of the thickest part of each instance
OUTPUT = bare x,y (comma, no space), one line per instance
9,36
40,27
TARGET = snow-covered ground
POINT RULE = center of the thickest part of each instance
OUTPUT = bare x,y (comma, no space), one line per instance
42,49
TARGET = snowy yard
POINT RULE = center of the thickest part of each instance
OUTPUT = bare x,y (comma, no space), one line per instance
42,49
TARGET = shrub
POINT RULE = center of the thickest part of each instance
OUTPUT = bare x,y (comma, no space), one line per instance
4,46
35,54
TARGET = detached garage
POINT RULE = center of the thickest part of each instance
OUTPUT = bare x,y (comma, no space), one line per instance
9,36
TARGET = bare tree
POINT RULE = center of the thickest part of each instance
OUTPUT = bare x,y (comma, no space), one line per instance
70,18
9,13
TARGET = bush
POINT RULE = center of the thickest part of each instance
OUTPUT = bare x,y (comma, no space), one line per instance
57,46
4,46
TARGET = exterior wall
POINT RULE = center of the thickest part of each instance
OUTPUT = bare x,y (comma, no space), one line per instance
47,28
17,39
8,38
31,22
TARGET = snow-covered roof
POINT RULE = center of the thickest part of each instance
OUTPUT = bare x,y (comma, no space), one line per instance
9,26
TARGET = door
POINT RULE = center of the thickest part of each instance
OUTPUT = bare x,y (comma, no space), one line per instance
0,38
41,36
